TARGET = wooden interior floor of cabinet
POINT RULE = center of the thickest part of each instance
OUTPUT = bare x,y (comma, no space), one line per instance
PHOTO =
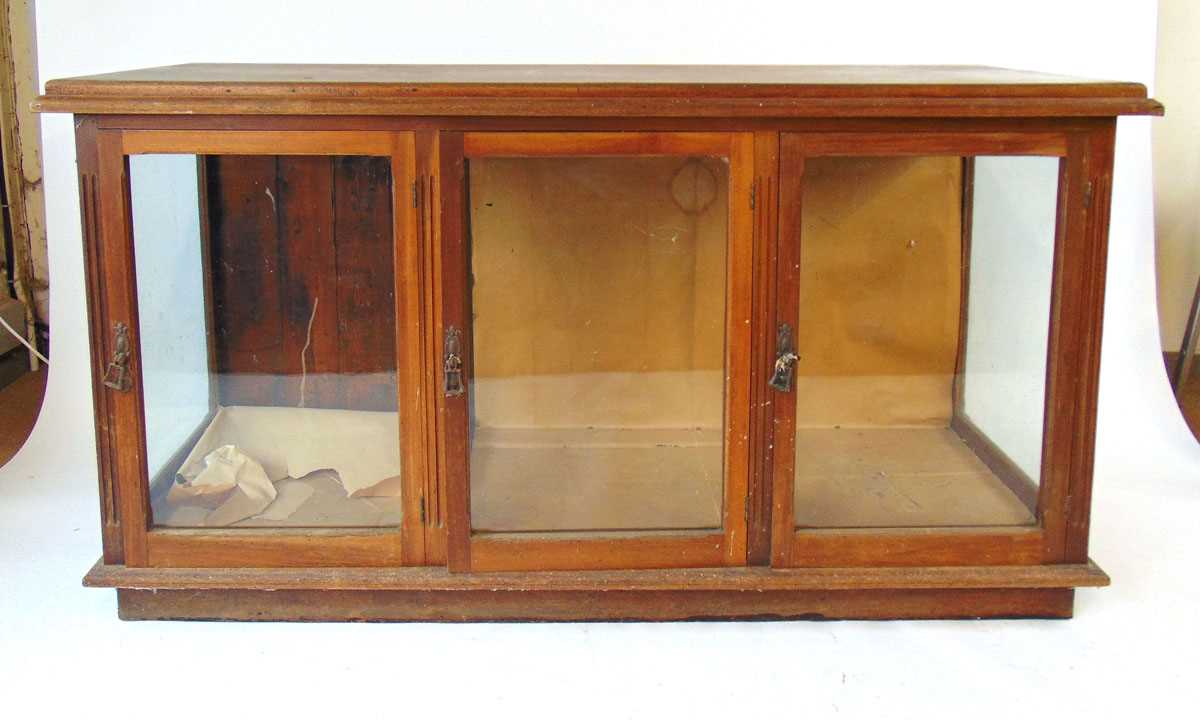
594,479
897,477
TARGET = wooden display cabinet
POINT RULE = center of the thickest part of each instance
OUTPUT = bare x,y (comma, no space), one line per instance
568,343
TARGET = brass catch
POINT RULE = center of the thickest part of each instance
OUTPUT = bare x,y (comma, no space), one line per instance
116,376
785,359
452,362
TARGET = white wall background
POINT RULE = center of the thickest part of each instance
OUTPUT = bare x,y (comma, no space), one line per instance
1177,165
1128,651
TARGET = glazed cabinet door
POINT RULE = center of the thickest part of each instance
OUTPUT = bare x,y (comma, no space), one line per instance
259,317
593,349
921,402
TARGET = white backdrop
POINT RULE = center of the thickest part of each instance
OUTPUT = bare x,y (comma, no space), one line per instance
1148,467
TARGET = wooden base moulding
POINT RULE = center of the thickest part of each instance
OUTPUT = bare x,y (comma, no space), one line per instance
433,594
565,606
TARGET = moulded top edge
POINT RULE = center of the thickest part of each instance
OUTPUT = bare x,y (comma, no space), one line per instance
594,90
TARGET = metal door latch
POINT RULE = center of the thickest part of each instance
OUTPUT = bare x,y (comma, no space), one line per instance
116,376
785,359
452,362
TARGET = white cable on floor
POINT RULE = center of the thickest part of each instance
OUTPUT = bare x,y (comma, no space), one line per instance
21,339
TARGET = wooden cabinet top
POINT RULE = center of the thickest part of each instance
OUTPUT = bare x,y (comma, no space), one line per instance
595,91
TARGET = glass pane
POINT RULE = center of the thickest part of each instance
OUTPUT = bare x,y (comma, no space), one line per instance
1012,262
598,343
267,323
921,382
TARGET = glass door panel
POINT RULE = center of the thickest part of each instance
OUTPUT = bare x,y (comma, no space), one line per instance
598,306
266,292
923,318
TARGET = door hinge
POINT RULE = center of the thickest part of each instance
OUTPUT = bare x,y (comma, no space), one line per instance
1087,195
422,510
753,193
415,194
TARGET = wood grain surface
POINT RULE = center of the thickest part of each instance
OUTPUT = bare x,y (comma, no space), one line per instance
594,90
